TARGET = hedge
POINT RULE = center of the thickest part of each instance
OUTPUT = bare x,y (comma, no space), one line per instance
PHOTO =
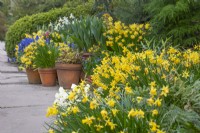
29,24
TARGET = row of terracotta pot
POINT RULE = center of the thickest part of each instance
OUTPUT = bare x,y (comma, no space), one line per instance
67,74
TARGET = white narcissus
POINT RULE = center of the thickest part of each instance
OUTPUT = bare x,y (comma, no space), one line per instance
73,86
60,97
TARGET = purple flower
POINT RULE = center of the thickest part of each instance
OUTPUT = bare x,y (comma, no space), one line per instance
24,43
72,45
11,60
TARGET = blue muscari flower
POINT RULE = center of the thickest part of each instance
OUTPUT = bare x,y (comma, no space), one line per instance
47,41
24,43
37,37
72,45
11,60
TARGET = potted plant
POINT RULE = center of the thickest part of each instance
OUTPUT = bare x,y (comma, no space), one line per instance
25,58
69,67
45,57
24,53
90,62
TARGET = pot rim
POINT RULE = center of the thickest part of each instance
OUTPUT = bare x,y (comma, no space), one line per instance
47,69
68,66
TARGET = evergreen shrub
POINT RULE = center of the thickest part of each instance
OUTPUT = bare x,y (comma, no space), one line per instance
179,20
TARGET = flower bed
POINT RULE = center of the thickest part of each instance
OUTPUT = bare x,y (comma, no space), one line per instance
134,92
133,88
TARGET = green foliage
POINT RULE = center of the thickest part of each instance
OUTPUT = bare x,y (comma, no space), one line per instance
2,26
91,61
101,6
88,32
181,121
29,24
176,19
158,46
46,56
5,5
74,3
189,95
130,11
21,8
184,111
69,56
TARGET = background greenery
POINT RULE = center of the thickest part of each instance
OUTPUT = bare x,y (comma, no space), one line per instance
29,24
177,19
2,26
17,9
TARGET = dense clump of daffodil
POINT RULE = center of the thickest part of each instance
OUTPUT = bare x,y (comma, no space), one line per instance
28,57
20,49
142,68
118,34
90,109
129,92
26,54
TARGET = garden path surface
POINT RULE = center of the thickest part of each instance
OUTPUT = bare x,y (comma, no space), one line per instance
22,106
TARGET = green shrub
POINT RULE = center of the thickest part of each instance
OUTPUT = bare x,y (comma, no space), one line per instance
176,19
2,26
29,24
22,8
130,11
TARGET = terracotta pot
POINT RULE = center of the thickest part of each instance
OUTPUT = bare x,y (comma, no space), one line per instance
85,77
68,74
82,77
86,55
48,76
33,76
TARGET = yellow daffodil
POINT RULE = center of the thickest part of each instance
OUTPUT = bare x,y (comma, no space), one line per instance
51,131
75,109
158,102
114,112
153,91
98,127
51,111
185,74
88,120
139,99
154,112
111,102
104,114
136,113
165,91
93,104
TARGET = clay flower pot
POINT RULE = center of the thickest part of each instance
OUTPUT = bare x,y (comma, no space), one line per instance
68,74
33,76
86,55
48,76
85,77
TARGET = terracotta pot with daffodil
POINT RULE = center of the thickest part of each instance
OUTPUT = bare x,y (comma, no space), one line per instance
25,55
27,62
45,57
69,67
